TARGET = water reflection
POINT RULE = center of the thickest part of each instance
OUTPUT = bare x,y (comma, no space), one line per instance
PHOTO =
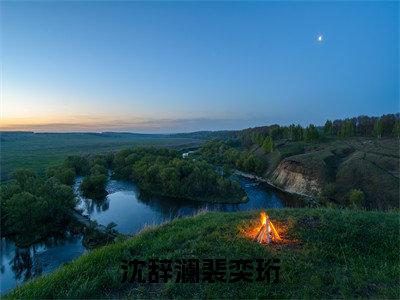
21,264
131,211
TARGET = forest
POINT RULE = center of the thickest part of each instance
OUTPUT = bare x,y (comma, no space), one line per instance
163,172
361,126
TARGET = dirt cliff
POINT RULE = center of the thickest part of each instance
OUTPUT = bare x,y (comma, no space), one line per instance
296,176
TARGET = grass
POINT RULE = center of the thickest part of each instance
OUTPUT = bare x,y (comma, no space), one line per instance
332,254
36,151
368,164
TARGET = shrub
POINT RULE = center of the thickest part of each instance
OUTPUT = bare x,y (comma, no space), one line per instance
356,198
327,194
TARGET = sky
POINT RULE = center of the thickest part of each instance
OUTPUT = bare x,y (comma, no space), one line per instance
185,66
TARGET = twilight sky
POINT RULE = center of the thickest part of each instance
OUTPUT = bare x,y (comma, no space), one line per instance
174,66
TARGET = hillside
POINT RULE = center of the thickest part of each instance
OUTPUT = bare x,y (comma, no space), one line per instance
326,253
336,166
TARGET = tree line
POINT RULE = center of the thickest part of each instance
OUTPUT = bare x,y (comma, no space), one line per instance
375,127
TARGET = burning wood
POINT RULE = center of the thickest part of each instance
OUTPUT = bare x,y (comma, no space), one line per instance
267,232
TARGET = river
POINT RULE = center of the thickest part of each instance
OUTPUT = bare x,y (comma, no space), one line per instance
124,206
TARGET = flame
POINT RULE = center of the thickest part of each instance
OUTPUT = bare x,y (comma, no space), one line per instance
277,236
264,218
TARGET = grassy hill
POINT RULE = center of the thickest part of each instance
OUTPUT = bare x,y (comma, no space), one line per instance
370,165
36,151
328,254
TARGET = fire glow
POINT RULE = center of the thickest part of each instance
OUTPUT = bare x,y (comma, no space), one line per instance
266,232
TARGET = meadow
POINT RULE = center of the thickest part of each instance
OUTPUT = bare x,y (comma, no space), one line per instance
327,253
37,151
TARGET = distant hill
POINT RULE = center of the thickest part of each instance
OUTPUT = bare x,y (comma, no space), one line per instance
208,135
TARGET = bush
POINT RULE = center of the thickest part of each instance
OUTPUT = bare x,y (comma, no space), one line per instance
356,198
327,194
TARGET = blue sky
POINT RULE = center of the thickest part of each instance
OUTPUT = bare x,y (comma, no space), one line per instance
175,66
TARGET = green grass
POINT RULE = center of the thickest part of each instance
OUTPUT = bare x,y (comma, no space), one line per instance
40,150
338,254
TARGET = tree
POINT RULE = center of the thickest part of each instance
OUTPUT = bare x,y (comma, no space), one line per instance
336,127
268,144
79,164
26,179
311,133
98,169
378,129
226,171
295,133
348,128
25,212
93,186
62,174
365,125
166,173
328,128
396,129
388,122
30,212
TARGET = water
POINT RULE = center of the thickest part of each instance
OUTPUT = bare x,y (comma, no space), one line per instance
131,212
21,264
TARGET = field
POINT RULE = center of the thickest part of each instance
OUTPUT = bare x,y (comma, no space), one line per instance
36,151
328,254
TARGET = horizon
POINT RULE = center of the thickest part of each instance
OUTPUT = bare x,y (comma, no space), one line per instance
319,125
171,67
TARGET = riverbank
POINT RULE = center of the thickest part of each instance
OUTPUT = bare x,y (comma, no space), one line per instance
309,200
315,262
125,207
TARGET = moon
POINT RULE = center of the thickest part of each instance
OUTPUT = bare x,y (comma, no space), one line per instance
320,38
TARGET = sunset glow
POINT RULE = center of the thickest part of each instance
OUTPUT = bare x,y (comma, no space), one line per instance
82,71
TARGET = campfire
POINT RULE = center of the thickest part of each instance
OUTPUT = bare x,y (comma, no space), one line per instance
266,232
